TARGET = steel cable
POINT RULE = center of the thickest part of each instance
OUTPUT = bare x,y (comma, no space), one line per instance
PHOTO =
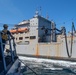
28,67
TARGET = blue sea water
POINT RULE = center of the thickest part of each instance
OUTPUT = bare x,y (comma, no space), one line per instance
38,67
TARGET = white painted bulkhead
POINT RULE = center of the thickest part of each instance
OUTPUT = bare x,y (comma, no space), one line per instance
46,49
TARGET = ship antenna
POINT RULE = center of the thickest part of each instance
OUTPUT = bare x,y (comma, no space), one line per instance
40,10
47,16
36,13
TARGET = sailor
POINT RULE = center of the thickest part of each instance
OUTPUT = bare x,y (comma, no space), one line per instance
4,35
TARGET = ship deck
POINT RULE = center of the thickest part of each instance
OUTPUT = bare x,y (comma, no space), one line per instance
8,64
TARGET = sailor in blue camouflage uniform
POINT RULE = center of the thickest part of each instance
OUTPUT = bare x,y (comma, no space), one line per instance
4,35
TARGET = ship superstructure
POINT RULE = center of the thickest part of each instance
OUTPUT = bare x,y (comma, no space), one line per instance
39,36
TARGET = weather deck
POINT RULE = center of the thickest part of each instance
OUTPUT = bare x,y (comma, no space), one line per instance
8,65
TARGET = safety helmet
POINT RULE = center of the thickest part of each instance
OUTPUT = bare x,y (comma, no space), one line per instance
5,25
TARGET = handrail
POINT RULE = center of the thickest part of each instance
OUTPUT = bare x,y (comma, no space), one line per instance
11,48
14,46
2,51
4,63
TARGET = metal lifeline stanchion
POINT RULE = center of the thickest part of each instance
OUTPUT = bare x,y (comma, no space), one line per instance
11,48
4,63
14,46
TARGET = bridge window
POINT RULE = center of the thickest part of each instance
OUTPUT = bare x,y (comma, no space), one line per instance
32,37
20,38
26,37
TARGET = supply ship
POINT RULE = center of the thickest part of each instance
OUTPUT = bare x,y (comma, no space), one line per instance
39,37
39,41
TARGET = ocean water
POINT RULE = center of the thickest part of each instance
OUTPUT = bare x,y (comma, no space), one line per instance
49,72
47,67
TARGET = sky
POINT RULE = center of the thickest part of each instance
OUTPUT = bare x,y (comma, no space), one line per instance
62,12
